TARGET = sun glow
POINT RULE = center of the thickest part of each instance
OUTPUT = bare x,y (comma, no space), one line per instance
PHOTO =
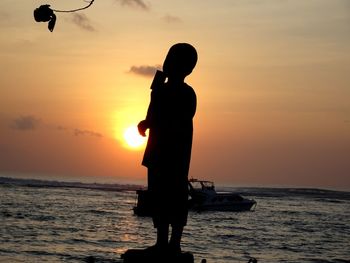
133,139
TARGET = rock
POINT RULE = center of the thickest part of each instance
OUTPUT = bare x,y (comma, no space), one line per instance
90,259
140,255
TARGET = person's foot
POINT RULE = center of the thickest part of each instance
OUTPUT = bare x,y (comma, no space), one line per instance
152,249
155,250
174,249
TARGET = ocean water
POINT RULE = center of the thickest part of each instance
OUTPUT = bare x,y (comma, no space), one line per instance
64,224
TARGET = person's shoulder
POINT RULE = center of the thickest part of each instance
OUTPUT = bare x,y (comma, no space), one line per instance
189,90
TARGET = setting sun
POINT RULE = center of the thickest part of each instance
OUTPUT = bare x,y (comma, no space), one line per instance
133,139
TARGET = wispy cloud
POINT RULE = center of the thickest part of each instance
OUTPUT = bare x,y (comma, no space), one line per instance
25,123
6,20
135,3
31,122
144,70
82,21
4,15
79,132
171,19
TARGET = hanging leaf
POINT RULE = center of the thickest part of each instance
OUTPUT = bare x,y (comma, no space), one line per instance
52,23
45,14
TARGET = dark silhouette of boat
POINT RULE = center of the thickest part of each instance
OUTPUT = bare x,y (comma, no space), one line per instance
202,197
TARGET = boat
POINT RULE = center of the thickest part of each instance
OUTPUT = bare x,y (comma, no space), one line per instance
202,197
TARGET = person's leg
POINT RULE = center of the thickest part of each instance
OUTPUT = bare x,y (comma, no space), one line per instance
179,210
162,236
175,239
161,245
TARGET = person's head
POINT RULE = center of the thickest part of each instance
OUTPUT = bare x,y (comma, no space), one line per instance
180,60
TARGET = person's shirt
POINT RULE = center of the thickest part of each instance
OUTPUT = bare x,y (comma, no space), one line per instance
170,118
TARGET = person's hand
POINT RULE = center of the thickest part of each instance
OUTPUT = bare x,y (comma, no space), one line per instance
142,127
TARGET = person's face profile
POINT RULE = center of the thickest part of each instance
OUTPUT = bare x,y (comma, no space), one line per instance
172,66
180,60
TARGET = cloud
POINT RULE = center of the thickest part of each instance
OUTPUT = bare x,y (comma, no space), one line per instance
82,21
135,3
79,132
145,70
61,128
6,20
25,123
171,19
30,123
4,15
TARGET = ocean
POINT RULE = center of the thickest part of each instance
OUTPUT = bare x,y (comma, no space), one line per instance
65,223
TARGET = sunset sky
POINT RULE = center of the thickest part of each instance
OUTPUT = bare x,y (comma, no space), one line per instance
272,81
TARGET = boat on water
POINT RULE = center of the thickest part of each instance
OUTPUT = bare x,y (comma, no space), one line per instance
202,197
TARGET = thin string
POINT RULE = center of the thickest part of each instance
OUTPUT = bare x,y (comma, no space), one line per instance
75,10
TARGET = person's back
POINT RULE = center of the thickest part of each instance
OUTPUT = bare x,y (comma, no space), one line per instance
171,126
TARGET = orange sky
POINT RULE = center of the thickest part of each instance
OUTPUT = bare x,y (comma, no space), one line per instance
272,83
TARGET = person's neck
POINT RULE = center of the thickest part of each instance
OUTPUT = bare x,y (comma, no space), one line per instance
176,81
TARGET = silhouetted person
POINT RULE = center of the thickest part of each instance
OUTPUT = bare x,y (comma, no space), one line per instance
168,152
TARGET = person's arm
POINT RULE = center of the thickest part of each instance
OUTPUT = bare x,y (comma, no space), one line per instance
193,104
158,81
190,105
142,127
146,123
